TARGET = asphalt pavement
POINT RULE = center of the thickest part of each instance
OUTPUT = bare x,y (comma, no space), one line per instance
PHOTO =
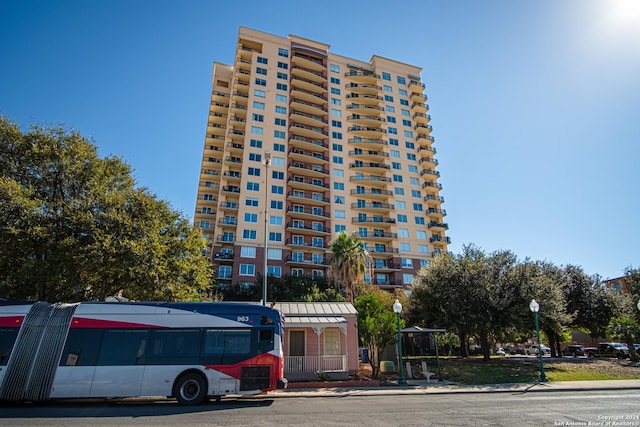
443,387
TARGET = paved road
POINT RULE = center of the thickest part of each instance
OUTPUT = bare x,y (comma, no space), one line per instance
521,408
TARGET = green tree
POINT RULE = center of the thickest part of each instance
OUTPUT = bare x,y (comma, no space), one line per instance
377,323
347,262
626,330
73,225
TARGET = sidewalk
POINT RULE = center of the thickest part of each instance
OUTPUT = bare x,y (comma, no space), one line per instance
435,387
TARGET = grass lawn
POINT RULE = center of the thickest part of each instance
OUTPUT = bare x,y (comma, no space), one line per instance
474,370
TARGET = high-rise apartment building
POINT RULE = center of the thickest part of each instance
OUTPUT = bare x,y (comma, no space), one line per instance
318,144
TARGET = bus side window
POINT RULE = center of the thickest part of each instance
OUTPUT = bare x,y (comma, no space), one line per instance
82,347
7,339
123,347
265,340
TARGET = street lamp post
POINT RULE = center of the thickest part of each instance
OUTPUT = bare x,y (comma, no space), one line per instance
397,308
267,158
535,307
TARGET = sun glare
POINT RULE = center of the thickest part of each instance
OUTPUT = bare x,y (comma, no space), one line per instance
624,15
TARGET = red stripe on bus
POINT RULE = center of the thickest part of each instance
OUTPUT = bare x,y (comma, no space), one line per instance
11,321
266,359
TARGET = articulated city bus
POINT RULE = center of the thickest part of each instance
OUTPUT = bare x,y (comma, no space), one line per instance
188,351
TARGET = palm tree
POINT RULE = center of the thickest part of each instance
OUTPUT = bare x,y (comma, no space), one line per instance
348,262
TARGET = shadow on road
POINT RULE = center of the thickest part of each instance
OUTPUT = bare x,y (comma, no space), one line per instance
118,408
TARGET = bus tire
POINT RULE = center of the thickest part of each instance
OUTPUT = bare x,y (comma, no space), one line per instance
190,389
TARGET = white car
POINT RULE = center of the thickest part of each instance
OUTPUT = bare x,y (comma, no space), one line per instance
533,349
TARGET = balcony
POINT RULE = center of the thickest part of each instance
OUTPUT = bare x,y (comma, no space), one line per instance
367,131
306,213
438,212
377,235
227,222
372,220
369,154
306,244
308,96
365,120
308,119
235,148
421,118
310,144
232,176
365,99
365,143
420,107
364,108
423,129
224,256
297,228
307,183
372,193
229,206
428,161
305,262
415,85
319,88
308,62
307,198
438,225
380,181
382,250
364,77
307,131
382,267
236,135
418,97
220,97
440,239
308,170
430,172
231,189
309,107
369,167
304,73
429,198
308,156
431,187
375,206
363,89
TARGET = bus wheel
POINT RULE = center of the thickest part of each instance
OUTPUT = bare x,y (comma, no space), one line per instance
190,389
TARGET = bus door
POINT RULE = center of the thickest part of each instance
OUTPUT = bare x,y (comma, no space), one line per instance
121,363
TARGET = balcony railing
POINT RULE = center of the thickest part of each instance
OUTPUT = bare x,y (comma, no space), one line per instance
294,364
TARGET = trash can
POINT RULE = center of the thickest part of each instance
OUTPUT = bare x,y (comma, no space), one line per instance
364,355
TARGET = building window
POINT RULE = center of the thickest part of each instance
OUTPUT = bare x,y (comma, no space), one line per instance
275,220
331,342
257,130
249,234
283,76
338,228
335,112
336,147
414,181
258,105
247,269
399,191
394,153
338,160
396,165
423,249
334,68
336,101
277,189
274,254
419,220
260,82
255,157
280,134
402,218
277,204
335,91
224,272
281,98
338,186
417,207
404,102
335,80
404,112
262,60
403,232
280,122
397,178
253,186
248,252
387,88
281,110
255,143
407,263
400,204
254,171
277,175
275,236
277,161
278,147
336,123
259,93
392,130
250,217
401,81
283,52
413,168
421,235
388,98
283,65
274,270
282,86
261,70
402,92
407,279
386,76
251,201
338,213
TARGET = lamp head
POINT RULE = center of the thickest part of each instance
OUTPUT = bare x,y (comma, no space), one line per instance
534,306
397,307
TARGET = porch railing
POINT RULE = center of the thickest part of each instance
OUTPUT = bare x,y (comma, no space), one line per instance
337,363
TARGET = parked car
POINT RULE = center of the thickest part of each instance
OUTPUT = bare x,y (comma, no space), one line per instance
517,350
500,352
573,351
608,349
533,349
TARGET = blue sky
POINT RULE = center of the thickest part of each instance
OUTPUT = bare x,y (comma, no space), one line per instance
535,105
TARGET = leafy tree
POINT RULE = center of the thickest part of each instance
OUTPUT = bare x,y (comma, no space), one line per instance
377,323
626,330
73,225
347,262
